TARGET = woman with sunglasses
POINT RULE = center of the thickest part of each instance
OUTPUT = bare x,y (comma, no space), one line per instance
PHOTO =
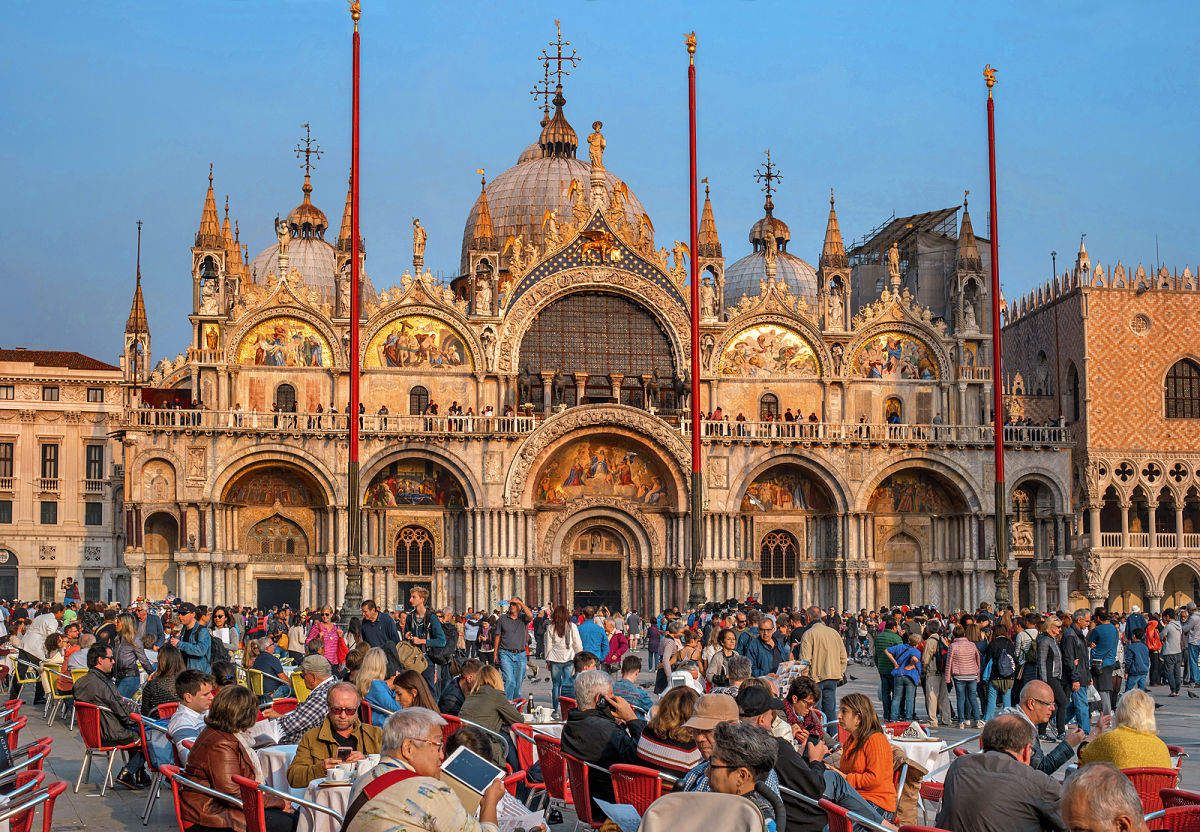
326,630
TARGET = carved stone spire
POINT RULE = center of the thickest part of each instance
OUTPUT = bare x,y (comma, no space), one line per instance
137,322
708,244
483,236
1083,263
209,234
968,249
833,253
344,238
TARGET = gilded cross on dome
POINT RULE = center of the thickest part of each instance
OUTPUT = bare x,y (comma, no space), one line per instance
559,58
768,174
309,150
542,88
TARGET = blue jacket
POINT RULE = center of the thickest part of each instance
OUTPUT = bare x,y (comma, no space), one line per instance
381,631
594,639
195,645
1137,658
380,695
763,659
1103,639
154,627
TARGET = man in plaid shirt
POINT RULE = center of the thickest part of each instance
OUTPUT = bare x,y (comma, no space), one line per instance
318,677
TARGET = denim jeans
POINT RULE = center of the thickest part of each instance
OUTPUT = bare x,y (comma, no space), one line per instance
1194,662
559,673
512,667
838,791
904,699
1173,670
1135,680
128,686
967,692
828,703
994,698
1079,705
886,686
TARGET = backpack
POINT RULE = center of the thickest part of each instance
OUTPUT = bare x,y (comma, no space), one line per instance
443,655
217,652
1153,639
941,656
411,657
1006,664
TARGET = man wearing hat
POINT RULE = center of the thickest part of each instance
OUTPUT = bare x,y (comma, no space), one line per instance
710,711
318,678
195,641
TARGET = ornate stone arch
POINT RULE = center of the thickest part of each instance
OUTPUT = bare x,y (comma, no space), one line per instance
826,473
952,472
334,487
638,528
645,428
467,478
399,309
518,318
1043,477
1139,567
1190,563
799,323
927,337
338,360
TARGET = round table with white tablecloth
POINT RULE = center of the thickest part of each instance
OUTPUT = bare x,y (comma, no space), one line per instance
275,760
930,754
334,797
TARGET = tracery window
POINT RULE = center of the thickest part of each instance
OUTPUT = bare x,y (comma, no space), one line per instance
1183,391
778,556
414,551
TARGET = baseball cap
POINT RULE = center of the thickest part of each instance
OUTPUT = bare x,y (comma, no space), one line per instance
711,710
186,607
316,664
756,701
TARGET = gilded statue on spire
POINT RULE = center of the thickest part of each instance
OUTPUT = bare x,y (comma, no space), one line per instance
893,264
596,145
283,233
419,236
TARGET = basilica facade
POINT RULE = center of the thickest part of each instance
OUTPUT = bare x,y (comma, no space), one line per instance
525,427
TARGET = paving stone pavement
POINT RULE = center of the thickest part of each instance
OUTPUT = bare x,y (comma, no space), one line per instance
1178,723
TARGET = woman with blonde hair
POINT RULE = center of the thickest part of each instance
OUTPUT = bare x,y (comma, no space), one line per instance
487,707
665,744
127,655
375,688
867,757
1133,742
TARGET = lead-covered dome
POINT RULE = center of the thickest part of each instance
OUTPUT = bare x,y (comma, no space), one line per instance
745,276
541,180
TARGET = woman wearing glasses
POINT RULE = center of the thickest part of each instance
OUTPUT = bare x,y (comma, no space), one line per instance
326,630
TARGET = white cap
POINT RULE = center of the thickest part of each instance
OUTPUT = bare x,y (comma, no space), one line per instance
1135,608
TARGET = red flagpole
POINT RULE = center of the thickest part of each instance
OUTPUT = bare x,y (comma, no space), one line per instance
353,598
1002,586
696,589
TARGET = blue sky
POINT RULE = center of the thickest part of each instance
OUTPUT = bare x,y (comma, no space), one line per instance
113,112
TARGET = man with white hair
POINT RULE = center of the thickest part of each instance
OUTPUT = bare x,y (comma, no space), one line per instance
602,729
405,790
1099,798
275,681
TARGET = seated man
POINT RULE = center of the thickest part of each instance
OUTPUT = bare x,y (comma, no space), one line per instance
318,677
737,670
583,661
318,749
998,790
275,681
1099,798
602,737
687,673
451,700
96,687
1036,708
195,690
710,711
627,687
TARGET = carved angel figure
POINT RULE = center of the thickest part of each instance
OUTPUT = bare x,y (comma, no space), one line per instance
550,229
283,233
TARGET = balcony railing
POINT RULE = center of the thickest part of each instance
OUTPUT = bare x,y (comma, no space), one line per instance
323,423
974,373
48,485
7,483
1139,540
93,486
1165,540
1191,540
1110,540
877,434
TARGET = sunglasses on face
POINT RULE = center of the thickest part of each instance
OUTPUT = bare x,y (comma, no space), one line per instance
343,711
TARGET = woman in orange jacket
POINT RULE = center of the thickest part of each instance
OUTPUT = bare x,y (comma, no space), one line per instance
867,756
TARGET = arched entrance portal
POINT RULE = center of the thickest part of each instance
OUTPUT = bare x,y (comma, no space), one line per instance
161,539
598,555
1181,587
1126,589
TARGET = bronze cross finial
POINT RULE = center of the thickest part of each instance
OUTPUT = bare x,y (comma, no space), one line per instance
768,174
309,150
559,58
542,88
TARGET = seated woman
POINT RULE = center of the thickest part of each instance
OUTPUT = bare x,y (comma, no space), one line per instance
487,706
742,756
374,688
1133,742
665,744
867,757
412,691
222,750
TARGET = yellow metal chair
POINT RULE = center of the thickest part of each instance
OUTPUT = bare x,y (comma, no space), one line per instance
25,674
55,699
254,681
299,687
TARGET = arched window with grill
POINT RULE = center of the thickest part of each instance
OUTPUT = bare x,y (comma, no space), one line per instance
1183,390
768,406
285,398
418,400
414,551
778,556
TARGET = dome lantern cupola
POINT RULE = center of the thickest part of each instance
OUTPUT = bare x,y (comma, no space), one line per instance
558,137
307,221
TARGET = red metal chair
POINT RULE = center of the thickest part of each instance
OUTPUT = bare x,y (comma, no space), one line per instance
156,781
179,783
26,781
254,807
843,820
523,738
1178,752
897,728
13,731
519,704
1171,798
453,723
171,772
911,828
636,786
511,782
20,815
284,705
1149,782
166,710
549,751
577,775
89,729
565,705
1177,819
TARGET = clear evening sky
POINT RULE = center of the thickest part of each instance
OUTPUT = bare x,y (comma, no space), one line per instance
114,110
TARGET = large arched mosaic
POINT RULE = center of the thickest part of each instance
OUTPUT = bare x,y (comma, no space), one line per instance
894,355
414,482
417,342
769,350
786,488
914,492
284,341
603,466
271,484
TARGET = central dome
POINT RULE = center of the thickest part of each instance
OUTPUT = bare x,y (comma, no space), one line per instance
541,180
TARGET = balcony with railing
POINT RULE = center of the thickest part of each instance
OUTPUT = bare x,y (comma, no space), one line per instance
974,373
48,485
92,486
1166,541
240,421
7,483
874,434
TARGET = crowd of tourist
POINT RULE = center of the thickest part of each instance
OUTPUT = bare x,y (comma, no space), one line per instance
744,699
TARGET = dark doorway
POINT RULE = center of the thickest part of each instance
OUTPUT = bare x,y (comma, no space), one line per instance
8,584
598,583
273,592
777,595
899,594
45,589
91,589
406,586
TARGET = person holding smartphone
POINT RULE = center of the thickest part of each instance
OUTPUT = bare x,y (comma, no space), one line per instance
340,738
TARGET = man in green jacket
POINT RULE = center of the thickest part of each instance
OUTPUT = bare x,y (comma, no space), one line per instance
318,749
888,638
